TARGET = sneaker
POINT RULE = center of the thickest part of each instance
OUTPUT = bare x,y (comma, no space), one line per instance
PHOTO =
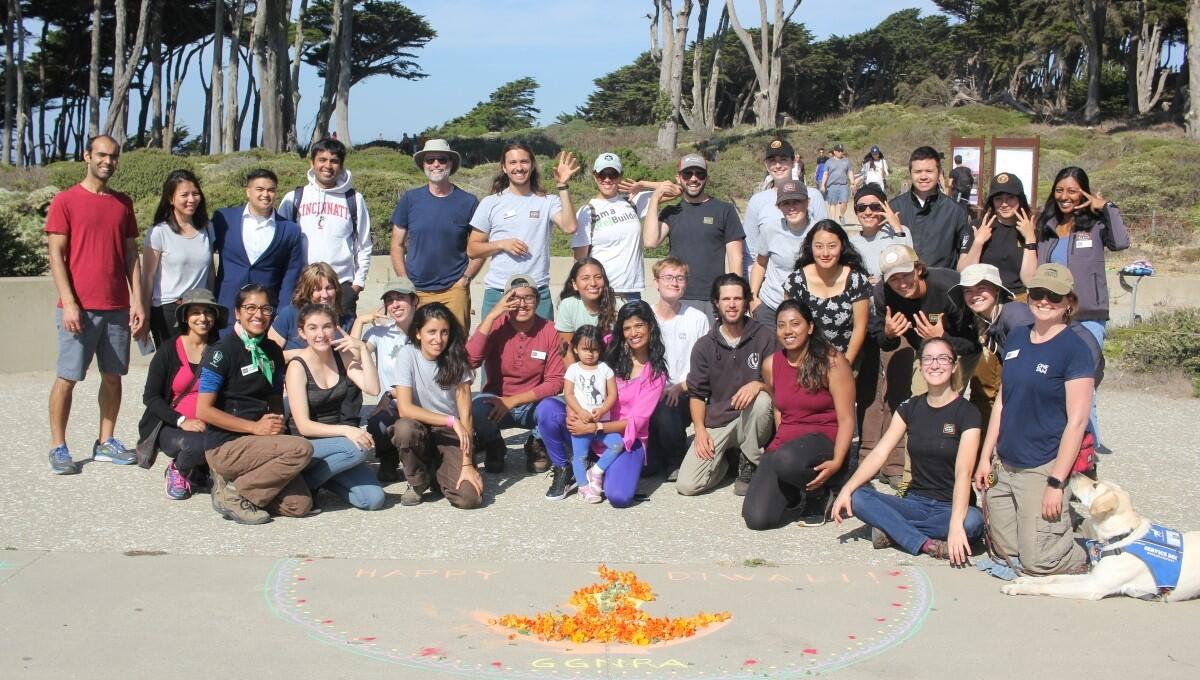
562,483
673,476
60,461
816,509
588,496
880,540
178,487
410,497
199,481
494,453
537,460
745,473
595,480
113,451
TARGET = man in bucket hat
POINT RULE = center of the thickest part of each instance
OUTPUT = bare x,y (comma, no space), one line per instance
430,226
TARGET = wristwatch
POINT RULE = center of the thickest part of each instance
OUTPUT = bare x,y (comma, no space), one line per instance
1054,482
181,421
1031,246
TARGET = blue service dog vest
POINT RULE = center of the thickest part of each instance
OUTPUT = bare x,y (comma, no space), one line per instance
1161,549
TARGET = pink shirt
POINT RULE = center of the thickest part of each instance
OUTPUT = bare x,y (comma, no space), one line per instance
636,400
183,377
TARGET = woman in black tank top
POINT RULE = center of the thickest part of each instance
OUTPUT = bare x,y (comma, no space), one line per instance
321,380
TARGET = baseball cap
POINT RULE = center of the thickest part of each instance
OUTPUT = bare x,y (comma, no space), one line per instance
838,147
401,285
693,160
779,147
875,149
606,161
978,273
1053,277
1005,183
520,281
791,190
897,259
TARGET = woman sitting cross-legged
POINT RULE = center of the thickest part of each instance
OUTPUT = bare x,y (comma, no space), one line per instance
938,516
433,398
319,380
814,415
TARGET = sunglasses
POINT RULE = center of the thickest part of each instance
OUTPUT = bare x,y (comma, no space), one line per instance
608,174
430,160
698,174
1038,294
864,207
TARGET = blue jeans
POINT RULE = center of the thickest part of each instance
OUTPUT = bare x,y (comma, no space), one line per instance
532,416
1099,330
491,297
911,520
337,465
614,445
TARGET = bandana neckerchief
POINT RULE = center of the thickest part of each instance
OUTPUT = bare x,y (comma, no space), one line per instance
257,356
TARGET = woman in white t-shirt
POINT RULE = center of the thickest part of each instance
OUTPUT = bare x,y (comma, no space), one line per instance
178,252
875,168
609,226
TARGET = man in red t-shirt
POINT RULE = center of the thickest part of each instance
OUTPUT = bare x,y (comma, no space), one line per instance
94,263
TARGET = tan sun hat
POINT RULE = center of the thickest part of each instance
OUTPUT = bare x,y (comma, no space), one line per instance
437,146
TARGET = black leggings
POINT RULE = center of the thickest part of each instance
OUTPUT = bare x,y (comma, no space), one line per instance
781,477
377,427
162,324
187,448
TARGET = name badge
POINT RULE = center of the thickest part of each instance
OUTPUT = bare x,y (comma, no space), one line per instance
534,214
709,220
1083,241
949,429
538,354
509,214
1012,355
252,368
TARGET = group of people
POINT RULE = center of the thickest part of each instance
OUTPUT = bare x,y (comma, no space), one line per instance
938,352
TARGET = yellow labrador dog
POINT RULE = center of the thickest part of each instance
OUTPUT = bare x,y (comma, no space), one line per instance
1119,532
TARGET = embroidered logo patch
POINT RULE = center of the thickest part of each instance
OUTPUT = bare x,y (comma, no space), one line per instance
753,360
1042,368
1002,178
708,220
534,214
776,144
949,429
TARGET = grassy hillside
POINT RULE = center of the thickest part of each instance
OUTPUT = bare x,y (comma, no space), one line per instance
1150,173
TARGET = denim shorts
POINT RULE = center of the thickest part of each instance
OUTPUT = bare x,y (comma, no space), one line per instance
837,193
105,335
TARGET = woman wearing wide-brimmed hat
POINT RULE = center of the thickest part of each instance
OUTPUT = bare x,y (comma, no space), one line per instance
170,393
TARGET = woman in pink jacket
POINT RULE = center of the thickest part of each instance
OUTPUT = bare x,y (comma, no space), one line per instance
637,356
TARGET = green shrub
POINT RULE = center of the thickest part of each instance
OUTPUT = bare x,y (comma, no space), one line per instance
1166,341
22,239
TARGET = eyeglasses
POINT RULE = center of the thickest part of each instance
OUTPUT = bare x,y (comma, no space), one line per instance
1043,294
939,360
864,207
525,299
698,174
673,278
430,160
255,309
608,174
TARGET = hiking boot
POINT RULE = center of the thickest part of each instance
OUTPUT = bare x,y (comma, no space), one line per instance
536,459
936,549
237,509
562,482
880,540
113,451
221,494
178,487
493,456
745,473
60,461
410,497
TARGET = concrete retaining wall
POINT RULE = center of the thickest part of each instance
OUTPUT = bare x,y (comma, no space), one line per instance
28,338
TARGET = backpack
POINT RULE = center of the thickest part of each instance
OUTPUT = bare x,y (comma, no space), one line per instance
351,205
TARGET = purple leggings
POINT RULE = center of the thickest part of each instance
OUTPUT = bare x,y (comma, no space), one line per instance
620,479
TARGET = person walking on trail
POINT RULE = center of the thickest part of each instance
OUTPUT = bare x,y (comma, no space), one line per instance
837,182
92,234
334,219
430,226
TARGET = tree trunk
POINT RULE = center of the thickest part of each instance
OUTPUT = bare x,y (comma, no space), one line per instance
703,109
114,123
143,112
343,81
178,76
256,107
94,73
216,103
42,104
768,60
10,84
118,68
271,53
1092,33
298,46
1193,58
231,130
156,78
1151,77
670,75
332,73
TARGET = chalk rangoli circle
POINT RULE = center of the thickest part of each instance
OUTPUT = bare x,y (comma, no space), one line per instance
788,621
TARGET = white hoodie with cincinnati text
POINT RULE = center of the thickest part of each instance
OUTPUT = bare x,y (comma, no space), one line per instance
329,236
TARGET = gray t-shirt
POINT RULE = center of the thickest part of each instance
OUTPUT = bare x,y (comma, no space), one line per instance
783,246
419,374
528,218
837,171
871,248
761,210
184,263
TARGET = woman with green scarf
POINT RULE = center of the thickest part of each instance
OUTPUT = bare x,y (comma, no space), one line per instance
241,401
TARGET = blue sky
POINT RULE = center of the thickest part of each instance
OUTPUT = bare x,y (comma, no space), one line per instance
483,44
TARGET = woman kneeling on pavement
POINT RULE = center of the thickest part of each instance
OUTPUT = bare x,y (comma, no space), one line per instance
433,398
171,389
319,380
937,516
639,361
386,339
1036,429
814,412
241,403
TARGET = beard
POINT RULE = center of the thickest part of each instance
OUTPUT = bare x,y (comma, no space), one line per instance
437,175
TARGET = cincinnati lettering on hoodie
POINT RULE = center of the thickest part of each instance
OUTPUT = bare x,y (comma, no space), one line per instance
324,217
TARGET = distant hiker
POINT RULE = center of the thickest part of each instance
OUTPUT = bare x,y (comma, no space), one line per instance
961,181
836,182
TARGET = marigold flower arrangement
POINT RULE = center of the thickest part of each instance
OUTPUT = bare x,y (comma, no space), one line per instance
610,611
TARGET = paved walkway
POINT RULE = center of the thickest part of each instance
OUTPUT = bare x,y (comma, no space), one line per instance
101,575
